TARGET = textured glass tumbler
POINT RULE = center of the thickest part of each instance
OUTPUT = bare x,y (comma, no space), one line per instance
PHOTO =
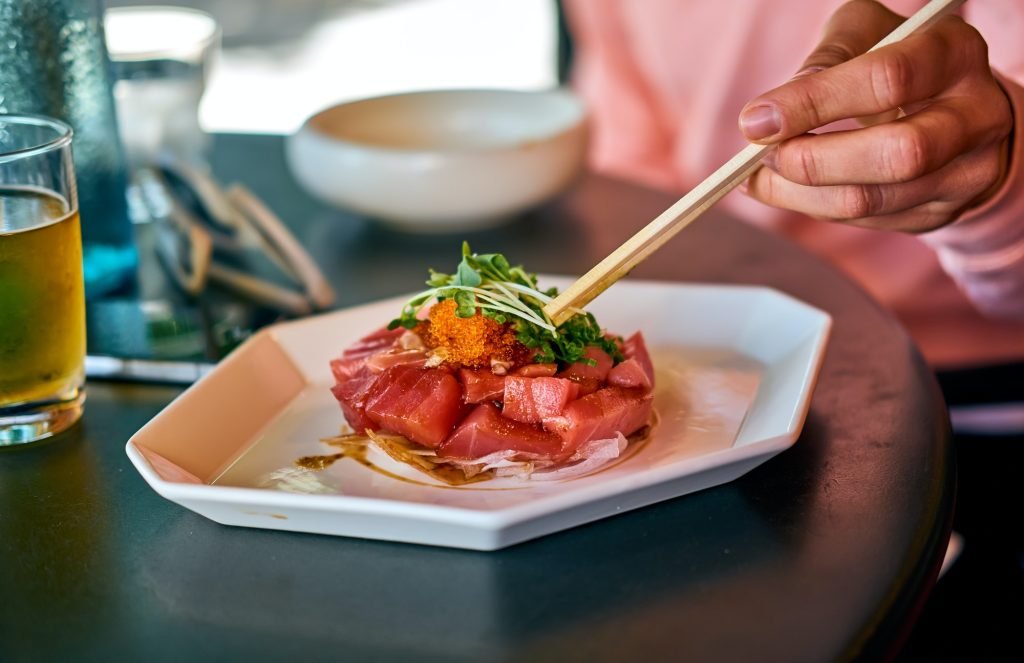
53,62
42,299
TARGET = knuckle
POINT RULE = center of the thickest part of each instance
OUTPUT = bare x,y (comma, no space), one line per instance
859,201
805,100
987,174
993,115
908,155
1003,120
831,54
961,43
890,79
799,163
975,48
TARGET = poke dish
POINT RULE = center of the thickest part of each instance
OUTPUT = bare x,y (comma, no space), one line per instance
473,381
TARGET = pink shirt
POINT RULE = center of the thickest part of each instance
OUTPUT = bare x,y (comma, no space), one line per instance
665,81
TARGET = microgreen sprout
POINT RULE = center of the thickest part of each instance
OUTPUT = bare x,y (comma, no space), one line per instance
486,284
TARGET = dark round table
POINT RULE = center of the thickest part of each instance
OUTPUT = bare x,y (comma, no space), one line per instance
825,552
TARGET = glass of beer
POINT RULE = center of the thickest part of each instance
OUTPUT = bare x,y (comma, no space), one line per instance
42,301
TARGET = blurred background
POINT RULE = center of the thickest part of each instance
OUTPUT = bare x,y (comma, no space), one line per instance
281,60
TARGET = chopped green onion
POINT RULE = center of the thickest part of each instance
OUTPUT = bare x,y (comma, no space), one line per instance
487,284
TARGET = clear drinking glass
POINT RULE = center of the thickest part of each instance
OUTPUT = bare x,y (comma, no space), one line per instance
42,299
162,58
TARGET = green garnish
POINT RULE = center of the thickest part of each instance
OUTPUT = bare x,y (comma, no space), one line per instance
488,284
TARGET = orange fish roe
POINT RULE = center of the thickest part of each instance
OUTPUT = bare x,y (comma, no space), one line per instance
473,341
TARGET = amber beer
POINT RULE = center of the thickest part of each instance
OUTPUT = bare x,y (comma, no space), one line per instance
42,303
42,299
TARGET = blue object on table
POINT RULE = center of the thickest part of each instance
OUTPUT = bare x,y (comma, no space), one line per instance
53,61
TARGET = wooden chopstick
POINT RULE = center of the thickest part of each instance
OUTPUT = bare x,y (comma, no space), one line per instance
260,291
281,243
689,208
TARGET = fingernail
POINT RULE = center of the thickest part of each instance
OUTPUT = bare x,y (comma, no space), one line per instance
760,122
808,71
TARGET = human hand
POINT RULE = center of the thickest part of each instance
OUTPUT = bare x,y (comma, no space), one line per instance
911,173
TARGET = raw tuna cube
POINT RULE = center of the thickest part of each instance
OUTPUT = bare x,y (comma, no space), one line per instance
631,374
601,415
636,348
351,394
536,370
482,385
589,377
531,400
485,431
421,404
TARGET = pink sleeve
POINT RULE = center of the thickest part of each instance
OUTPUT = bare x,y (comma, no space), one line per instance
628,138
984,250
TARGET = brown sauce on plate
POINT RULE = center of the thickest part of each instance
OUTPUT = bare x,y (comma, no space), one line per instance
355,447
318,463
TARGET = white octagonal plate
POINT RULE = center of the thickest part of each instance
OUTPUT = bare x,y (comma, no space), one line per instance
735,368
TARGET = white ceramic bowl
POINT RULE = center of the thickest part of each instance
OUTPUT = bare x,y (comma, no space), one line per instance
442,161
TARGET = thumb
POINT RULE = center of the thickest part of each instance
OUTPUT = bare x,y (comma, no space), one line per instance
851,31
